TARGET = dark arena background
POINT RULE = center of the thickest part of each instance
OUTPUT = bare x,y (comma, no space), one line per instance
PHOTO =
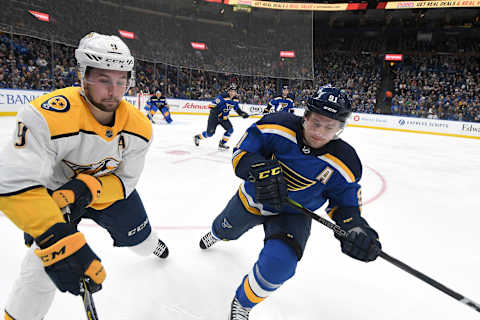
192,49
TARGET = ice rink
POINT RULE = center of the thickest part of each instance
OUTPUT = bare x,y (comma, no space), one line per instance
421,194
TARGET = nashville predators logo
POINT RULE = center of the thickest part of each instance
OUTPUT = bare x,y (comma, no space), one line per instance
100,168
57,104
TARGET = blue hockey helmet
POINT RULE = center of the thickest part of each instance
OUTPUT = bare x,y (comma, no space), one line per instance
330,102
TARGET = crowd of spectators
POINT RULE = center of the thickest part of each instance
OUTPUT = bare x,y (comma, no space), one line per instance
438,87
433,86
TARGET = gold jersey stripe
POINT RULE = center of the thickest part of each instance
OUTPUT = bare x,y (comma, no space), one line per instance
33,211
237,158
248,207
340,166
7,316
332,211
280,129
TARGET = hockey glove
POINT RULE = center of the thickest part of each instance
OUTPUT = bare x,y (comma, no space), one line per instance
361,243
67,259
270,186
77,194
244,115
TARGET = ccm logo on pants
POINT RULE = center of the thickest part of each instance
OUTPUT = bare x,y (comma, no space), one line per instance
138,229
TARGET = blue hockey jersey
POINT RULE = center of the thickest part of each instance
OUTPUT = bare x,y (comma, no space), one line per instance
280,103
314,176
156,104
222,104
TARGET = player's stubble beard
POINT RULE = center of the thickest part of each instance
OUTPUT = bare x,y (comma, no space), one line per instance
113,102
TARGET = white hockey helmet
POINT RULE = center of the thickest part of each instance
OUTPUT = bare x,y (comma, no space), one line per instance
104,52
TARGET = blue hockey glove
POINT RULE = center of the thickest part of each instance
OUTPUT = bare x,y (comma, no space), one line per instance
68,259
270,186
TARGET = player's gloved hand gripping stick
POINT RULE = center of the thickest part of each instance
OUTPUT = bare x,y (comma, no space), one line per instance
342,234
67,258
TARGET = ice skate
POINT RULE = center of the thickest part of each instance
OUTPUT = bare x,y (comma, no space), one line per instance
161,250
223,146
196,139
208,240
237,311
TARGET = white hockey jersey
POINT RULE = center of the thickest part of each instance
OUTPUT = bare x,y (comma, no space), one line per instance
57,137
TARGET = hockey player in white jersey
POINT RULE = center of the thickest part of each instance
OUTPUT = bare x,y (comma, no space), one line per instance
82,149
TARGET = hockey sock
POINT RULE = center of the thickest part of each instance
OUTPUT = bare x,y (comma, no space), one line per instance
224,140
276,264
204,135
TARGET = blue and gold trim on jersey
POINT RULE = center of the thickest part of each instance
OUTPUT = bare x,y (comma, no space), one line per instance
244,199
278,130
339,166
295,181
237,155
250,205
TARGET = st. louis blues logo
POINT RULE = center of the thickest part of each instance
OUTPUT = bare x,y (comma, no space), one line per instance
57,104
226,224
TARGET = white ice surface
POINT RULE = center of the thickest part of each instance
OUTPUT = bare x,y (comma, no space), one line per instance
421,194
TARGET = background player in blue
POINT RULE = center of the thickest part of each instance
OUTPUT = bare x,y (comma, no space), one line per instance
156,103
282,102
219,112
303,158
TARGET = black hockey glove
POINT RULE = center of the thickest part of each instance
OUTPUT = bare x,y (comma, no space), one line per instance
77,194
244,115
68,259
361,243
270,186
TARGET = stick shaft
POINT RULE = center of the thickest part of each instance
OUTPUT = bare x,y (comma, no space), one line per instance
88,302
419,275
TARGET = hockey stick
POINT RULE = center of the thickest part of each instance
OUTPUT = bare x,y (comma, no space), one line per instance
87,297
88,300
342,233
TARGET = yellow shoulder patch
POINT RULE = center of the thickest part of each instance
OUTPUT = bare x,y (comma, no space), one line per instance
61,110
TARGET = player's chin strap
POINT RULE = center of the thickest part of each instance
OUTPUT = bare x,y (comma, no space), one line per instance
342,233
82,92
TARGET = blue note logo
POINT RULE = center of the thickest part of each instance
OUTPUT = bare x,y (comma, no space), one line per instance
226,224
57,104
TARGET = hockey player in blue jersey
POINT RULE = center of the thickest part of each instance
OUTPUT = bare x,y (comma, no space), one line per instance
156,103
302,158
219,112
282,102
